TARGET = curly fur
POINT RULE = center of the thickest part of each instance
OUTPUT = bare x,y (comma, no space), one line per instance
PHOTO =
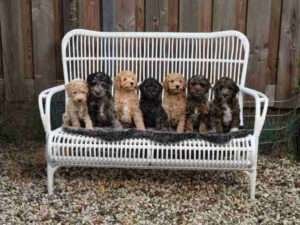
126,100
197,112
174,101
100,101
76,108
224,109
151,105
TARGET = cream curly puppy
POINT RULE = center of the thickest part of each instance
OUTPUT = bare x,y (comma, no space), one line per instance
76,108
126,100
174,101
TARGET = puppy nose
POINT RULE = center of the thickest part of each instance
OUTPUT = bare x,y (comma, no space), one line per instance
198,87
79,100
177,86
131,83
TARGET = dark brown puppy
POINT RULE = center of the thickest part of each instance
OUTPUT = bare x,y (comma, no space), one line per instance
197,112
224,109
100,101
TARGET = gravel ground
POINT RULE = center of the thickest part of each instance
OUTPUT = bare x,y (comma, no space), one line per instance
114,196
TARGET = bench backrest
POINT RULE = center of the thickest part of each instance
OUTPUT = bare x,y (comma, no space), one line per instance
154,54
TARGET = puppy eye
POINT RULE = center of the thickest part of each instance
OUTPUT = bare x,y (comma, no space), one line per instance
74,92
180,81
124,79
172,81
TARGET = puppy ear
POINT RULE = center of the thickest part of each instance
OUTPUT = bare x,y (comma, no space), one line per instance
184,85
117,82
86,87
136,83
165,84
236,88
216,87
109,80
68,88
90,78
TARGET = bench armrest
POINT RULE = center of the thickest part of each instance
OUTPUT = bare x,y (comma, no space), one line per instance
261,107
45,98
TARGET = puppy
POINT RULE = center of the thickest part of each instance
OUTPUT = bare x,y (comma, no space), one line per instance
174,101
224,109
100,101
197,112
151,105
126,100
76,108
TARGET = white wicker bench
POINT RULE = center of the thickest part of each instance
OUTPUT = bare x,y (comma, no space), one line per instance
148,54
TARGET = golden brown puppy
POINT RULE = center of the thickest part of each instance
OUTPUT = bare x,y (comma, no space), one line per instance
174,100
126,100
76,109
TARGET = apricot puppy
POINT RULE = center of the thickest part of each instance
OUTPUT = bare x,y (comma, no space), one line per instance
76,108
126,100
174,101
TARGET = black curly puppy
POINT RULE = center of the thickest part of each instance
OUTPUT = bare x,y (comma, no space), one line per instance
151,105
197,112
100,101
224,109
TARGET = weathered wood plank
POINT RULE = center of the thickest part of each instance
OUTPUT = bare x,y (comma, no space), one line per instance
195,16
125,15
27,38
44,42
109,11
161,15
230,14
258,25
59,31
289,51
16,87
140,15
273,49
173,15
2,96
1,53
70,15
90,14
154,20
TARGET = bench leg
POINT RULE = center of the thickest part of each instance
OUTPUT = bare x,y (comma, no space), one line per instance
252,183
50,177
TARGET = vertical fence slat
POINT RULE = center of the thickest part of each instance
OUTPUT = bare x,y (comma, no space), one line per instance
289,51
58,35
16,87
43,28
108,10
1,70
173,15
195,15
230,14
273,48
89,14
258,25
140,15
27,38
125,15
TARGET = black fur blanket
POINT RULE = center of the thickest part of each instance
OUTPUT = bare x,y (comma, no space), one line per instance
163,137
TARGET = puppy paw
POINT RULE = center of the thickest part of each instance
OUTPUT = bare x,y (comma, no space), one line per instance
89,127
234,129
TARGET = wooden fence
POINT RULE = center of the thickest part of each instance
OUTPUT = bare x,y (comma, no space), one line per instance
31,32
